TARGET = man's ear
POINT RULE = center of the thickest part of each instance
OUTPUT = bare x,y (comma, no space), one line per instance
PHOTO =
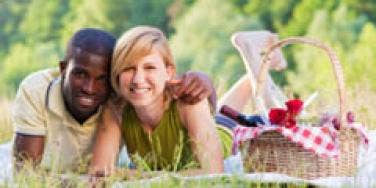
63,65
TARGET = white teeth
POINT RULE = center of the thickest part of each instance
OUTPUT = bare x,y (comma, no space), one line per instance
139,90
86,101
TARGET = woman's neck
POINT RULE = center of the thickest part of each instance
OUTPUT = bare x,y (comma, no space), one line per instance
151,115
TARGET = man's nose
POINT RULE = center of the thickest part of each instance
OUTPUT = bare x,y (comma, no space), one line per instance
89,86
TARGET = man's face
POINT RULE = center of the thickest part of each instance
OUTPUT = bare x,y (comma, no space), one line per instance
85,84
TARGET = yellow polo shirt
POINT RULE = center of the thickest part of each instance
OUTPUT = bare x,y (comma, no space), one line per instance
39,110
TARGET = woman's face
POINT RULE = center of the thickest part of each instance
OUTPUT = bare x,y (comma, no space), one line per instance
143,82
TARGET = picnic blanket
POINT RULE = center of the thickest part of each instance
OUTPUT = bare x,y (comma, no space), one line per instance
5,161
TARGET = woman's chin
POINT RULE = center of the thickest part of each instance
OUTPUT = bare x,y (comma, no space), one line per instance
140,103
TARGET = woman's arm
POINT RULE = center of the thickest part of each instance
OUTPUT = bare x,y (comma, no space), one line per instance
202,132
107,143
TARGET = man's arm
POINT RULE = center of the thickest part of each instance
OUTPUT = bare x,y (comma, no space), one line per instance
193,87
28,149
29,120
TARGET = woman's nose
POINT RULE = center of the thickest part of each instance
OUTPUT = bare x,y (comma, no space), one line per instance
138,76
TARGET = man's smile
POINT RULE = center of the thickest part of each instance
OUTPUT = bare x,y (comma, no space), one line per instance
87,101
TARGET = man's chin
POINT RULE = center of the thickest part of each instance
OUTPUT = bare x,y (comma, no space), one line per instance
88,110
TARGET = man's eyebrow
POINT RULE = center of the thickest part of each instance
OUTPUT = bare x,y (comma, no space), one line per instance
78,68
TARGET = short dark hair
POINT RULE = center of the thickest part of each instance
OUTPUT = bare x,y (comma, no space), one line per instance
91,40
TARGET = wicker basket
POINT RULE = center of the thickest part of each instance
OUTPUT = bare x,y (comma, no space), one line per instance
272,152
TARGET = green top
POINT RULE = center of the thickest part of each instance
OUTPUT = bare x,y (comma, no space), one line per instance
168,146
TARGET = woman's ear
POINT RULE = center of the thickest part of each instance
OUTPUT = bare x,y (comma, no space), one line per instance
171,72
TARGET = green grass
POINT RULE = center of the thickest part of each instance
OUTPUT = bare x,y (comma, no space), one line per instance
6,130
164,180
221,181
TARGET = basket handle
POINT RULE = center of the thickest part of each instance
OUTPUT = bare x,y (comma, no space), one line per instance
337,70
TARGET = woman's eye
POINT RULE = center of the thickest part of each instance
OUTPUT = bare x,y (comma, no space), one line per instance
127,69
150,67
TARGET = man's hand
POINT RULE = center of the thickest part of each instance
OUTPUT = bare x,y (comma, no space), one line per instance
193,87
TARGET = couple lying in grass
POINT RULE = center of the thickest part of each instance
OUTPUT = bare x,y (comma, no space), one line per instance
58,115
62,117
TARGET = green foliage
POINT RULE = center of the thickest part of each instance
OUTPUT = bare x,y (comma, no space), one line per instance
48,18
362,59
274,14
363,7
84,14
115,15
156,10
11,14
199,33
302,15
35,32
202,41
22,60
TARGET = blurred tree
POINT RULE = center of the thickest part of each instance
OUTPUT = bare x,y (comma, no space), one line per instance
273,14
43,24
177,9
313,69
363,7
199,32
362,59
149,12
115,16
25,59
202,40
303,14
346,26
341,30
84,14
11,14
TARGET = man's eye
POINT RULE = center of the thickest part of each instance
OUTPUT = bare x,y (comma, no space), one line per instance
80,74
102,78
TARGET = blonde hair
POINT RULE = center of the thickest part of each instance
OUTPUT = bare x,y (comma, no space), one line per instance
137,43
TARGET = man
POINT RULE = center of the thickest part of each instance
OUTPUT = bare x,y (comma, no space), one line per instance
56,111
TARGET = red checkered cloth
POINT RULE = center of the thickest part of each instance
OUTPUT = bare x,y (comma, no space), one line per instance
320,140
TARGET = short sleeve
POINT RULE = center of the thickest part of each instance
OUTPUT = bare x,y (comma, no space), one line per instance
28,112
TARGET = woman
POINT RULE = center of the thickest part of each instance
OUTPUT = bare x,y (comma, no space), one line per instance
165,133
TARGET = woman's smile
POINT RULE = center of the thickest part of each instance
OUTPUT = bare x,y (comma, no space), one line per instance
136,91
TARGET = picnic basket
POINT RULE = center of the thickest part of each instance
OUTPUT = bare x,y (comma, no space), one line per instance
272,152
